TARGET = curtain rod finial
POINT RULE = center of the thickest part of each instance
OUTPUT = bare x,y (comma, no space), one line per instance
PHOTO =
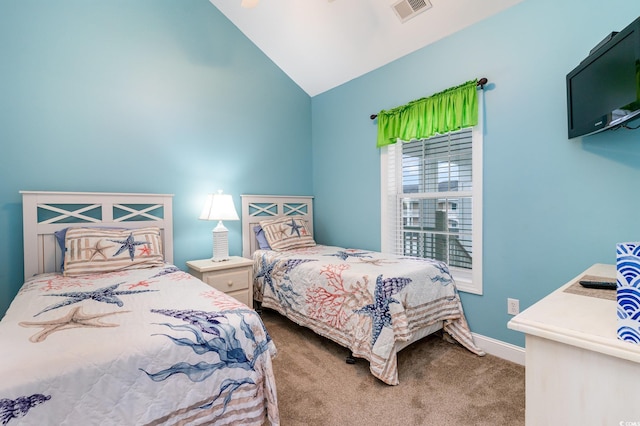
373,116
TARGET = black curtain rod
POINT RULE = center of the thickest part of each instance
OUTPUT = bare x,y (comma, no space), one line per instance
481,82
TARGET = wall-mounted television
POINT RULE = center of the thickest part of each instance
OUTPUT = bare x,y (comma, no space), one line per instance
603,92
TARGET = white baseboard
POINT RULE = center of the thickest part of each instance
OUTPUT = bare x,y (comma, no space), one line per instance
500,349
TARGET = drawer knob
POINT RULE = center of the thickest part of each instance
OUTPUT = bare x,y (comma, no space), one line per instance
229,283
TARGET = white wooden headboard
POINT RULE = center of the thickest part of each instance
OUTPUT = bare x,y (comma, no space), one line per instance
266,207
44,213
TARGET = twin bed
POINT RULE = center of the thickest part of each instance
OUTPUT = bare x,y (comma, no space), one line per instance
120,337
371,303
106,327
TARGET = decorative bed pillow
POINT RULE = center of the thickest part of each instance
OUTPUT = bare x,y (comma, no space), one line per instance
61,236
287,233
96,250
263,244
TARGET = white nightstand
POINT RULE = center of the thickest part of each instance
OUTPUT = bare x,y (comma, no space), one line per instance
233,276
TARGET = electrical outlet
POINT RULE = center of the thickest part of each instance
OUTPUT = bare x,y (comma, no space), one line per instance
513,306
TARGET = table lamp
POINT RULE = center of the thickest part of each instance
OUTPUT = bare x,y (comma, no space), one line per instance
219,207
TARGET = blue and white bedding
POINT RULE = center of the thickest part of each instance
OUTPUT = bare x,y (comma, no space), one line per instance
365,301
149,346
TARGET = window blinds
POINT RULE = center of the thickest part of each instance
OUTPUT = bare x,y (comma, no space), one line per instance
432,203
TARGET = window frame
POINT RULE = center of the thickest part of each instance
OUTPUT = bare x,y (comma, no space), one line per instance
469,281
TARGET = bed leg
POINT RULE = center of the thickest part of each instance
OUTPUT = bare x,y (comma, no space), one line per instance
350,359
258,307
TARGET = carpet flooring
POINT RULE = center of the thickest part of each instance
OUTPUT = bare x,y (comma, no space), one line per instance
441,383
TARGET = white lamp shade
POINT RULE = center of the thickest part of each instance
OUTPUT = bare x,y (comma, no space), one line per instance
219,207
248,4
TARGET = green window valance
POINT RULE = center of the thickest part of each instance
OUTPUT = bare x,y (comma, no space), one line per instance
447,111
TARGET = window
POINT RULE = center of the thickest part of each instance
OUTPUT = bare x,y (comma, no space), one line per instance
432,202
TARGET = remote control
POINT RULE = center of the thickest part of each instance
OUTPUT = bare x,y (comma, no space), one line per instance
604,285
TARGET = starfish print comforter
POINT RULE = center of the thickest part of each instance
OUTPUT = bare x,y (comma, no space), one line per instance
149,346
365,301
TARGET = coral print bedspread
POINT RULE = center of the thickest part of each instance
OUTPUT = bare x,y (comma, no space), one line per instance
365,301
142,347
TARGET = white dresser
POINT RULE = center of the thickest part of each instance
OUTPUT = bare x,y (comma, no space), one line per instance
577,371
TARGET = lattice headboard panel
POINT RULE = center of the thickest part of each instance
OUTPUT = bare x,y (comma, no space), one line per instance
44,213
265,207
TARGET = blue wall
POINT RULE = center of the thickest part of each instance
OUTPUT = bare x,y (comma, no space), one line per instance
552,206
159,96
168,96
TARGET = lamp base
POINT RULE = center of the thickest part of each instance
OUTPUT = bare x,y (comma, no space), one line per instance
220,243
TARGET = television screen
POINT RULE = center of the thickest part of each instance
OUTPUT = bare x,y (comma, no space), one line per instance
603,91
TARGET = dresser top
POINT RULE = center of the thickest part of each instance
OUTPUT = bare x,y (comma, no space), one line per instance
579,320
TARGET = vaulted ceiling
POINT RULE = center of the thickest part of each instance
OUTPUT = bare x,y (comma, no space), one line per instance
321,44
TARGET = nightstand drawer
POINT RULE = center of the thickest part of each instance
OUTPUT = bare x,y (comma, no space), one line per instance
228,281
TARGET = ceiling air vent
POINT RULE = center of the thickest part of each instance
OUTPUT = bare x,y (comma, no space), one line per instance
407,9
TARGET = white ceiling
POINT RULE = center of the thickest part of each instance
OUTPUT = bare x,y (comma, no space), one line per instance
321,44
